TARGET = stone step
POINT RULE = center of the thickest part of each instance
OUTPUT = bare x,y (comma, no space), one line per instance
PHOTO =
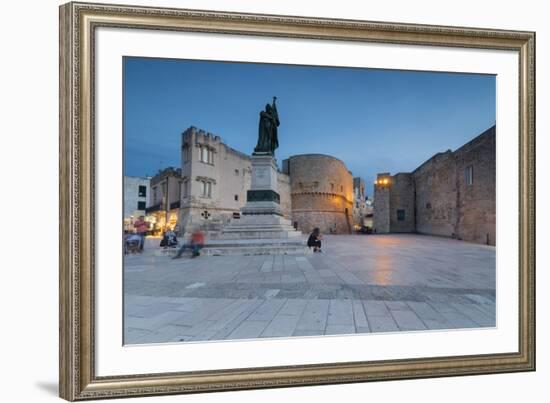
257,246
227,247
256,250
259,234
242,250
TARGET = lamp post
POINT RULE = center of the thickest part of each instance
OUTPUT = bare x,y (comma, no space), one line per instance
382,182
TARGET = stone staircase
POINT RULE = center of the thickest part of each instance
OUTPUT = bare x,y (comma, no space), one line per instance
259,227
280,246
226,247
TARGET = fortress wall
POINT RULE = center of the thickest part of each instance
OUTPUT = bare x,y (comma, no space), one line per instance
476,204
321,193
283,188
402,203
435,182
453,194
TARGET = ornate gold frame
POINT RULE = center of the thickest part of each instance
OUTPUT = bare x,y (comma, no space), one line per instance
78,21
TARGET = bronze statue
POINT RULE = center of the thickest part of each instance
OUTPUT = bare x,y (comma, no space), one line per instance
267,132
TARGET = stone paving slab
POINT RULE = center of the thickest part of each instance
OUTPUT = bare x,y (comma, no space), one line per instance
382,323
228,327
248,329
314,316
359,317
429,316
340,312
407,320
360,284
281,326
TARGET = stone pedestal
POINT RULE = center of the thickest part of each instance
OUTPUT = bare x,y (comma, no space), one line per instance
261,229
263,197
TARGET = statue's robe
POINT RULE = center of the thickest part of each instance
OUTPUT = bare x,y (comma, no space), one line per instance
264,133
275,130
267,131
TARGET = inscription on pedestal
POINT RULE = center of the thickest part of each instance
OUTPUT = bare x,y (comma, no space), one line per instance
262,178
263,196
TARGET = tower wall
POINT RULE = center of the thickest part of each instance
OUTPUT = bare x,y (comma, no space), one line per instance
321,189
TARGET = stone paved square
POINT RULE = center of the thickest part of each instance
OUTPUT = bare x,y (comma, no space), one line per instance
359,284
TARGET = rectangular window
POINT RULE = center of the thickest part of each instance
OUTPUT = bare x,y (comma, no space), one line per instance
211,156
141,205
469,175
185,188
206,189
236,172
236,197
186,153
206,154
142,191
400,215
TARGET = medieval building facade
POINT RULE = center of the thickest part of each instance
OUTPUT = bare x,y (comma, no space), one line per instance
164,199
215,179
452,194
210,188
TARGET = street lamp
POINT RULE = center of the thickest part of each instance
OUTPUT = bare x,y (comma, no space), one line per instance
382,182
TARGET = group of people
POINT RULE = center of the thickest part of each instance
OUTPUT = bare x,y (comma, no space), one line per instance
135,242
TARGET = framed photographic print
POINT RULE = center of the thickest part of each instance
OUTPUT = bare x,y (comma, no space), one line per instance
255,201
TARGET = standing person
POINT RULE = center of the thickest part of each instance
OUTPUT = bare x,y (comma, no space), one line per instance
196,244
141,227
314,240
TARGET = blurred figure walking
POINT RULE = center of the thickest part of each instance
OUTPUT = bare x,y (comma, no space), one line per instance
196,243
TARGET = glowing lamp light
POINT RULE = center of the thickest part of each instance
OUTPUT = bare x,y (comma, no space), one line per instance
382,182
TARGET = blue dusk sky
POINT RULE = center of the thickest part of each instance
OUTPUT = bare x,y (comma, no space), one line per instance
373,120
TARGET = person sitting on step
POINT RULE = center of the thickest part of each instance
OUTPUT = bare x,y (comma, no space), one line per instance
314,240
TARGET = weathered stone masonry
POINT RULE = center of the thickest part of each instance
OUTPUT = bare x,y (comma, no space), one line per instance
321,190
452,194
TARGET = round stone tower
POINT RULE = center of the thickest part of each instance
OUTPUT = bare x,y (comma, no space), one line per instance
321,189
